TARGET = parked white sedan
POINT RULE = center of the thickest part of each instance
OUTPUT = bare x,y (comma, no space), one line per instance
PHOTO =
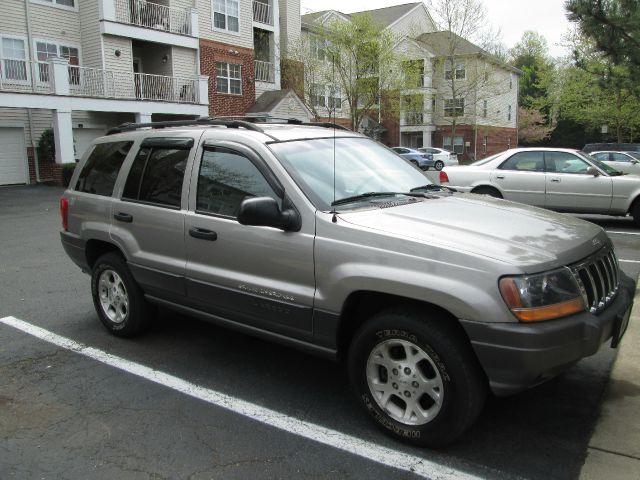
442,157
558,179
626,162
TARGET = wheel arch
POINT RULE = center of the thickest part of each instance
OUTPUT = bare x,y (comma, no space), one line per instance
94,249
360,305
475,188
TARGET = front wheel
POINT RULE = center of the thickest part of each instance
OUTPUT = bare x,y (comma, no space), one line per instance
416,377
439,165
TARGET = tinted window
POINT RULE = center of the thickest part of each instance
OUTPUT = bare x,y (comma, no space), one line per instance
525,161
226,178
603,156
156,176
563,162
101,170
619,157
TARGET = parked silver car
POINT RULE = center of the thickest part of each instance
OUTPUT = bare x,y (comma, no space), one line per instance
423,161
626,162
558,179
441,157
326,241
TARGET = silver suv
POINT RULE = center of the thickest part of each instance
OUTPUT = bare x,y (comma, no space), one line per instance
324,240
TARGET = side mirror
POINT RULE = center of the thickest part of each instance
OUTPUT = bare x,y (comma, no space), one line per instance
634,162
265,212
593,171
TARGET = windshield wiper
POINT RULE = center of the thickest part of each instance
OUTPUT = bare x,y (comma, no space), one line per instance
362,196
433,187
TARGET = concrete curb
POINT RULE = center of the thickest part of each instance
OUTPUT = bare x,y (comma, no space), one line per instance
614,447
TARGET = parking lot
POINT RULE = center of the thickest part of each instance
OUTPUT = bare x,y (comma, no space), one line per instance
190,400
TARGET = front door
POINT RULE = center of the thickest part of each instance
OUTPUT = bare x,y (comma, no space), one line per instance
260,276
570,188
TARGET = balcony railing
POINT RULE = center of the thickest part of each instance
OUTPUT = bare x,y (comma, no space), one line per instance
265,71
412,118
24,76
95,82
262,12
153,15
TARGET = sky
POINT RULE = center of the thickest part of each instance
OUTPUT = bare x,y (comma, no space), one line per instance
513,17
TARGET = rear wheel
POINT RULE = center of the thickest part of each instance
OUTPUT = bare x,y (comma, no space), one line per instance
416,377
492,192
635,212
118,299
439,165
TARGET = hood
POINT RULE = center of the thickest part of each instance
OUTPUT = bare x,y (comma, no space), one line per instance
531,238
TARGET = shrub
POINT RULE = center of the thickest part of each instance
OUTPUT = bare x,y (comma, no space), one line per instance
47,146
67,171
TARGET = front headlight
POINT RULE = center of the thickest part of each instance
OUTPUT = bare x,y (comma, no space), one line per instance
544,296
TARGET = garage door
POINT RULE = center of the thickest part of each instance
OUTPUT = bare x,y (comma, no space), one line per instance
13,156
82,138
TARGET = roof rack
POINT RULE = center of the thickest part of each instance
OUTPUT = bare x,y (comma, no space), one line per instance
241,121
202,121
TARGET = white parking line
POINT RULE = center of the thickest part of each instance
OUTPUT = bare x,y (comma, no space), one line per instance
623,233
629,261
317,433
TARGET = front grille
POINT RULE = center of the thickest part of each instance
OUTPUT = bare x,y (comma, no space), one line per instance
597,277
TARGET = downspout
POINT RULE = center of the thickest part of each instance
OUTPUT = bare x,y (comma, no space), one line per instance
36,161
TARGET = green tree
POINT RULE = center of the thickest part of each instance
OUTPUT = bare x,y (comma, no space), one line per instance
531,55
614,27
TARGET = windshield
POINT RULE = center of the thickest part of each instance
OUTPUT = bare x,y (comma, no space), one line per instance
361,166
608,169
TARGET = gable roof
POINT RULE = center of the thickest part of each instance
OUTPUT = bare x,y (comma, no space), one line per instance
440,44
389,15
269,101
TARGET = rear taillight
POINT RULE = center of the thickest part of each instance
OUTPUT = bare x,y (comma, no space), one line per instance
444,178
64,213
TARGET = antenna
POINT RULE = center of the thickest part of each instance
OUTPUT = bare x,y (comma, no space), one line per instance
334,219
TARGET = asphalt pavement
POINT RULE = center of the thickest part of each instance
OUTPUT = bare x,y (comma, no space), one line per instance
190,400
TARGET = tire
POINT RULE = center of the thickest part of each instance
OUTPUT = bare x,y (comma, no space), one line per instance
458,384
636,213
414,162
439,165
118,299
492,192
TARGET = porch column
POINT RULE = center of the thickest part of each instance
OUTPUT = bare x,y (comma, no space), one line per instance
59,75
143,117
108,10
203,89
63,136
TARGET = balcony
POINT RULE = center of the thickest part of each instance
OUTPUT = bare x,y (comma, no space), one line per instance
154,15
412,119
262,12
56,77
265,71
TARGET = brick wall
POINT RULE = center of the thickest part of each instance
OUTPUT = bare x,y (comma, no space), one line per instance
50,171
227,104
498,140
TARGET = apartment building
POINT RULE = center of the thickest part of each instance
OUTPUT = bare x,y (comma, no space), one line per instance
81,67
457,83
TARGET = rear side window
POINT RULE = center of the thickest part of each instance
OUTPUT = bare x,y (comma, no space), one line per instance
99,174
156,176
525,162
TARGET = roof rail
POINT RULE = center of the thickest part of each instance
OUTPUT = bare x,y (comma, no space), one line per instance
202,121
240,121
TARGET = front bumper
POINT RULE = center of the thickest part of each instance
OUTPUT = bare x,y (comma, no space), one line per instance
517,356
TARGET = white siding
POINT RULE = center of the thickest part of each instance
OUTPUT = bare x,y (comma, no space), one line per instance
90,32
415,23
184,62
12,19
290,24
242,39
50,23
125,61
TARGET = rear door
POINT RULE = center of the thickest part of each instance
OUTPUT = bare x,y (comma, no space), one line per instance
521,178
148,216
260,276
570,188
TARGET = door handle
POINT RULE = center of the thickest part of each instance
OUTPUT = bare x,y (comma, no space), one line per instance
500,177
123,217
203,234
555,180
